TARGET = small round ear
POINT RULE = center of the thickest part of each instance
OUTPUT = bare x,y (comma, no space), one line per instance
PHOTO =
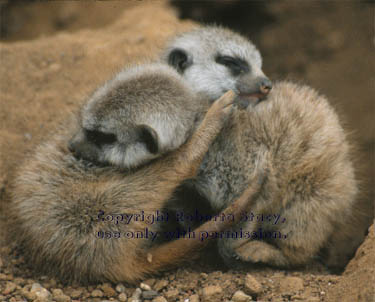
179,59
149,137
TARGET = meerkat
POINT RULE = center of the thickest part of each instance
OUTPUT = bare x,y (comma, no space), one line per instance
66,193
310,184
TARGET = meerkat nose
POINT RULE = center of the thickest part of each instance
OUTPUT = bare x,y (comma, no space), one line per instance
265,86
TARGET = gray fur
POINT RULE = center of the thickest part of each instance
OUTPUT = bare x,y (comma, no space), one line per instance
60,202
149,101
311,181
204,75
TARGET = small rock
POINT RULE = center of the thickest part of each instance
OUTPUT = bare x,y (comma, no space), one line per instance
42,295
160,284
122,297
31,296
194,298
58,296
136,297
203,275
76,293
57,292
252,286
149,294
159,299
62,298
19,281
212,293
171,294
150,282
145,286
240,296
291,284
9,288
120,288
108,290
171,277
97,293
35,287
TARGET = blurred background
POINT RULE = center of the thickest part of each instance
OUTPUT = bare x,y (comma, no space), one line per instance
328,45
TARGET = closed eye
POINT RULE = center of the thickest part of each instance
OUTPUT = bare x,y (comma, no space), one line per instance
235,65
100,138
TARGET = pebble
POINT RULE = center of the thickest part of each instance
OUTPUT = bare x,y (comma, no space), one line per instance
203,275
171,294
76,293
212,293
120,288
252,286
159,299
136,297
194,298
122,297
145,286
62,298
150,282
160,284
108,290
96,293
9,288
30,296
19,281
42,294
240,296
149,294
291,284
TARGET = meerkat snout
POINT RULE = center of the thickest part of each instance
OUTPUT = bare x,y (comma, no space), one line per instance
253,89
265,86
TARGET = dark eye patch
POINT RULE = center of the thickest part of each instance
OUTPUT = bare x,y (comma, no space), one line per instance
235,65
100,138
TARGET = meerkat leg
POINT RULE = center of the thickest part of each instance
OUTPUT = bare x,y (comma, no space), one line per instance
175,252
256,251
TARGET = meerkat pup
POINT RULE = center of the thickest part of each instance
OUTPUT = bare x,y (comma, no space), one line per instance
310,189
74,188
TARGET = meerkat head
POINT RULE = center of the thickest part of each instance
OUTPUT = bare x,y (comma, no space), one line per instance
214,60
135,117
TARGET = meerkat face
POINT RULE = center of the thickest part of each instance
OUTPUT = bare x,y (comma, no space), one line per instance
214,60
108,137
137,116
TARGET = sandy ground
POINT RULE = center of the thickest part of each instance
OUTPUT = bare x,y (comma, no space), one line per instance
53,55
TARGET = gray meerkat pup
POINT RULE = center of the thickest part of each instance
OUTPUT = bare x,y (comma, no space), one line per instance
62,201
310,184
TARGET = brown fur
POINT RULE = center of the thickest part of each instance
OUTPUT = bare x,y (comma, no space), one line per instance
57,198
310,179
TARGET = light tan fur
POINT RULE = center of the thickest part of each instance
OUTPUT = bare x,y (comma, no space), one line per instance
57,199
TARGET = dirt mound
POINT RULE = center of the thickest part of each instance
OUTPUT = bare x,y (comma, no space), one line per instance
358,281
43,79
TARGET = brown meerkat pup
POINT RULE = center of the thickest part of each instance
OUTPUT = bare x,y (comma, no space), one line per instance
310,191
81,218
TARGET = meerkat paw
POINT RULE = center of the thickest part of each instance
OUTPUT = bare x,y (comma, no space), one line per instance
261,252
223,106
